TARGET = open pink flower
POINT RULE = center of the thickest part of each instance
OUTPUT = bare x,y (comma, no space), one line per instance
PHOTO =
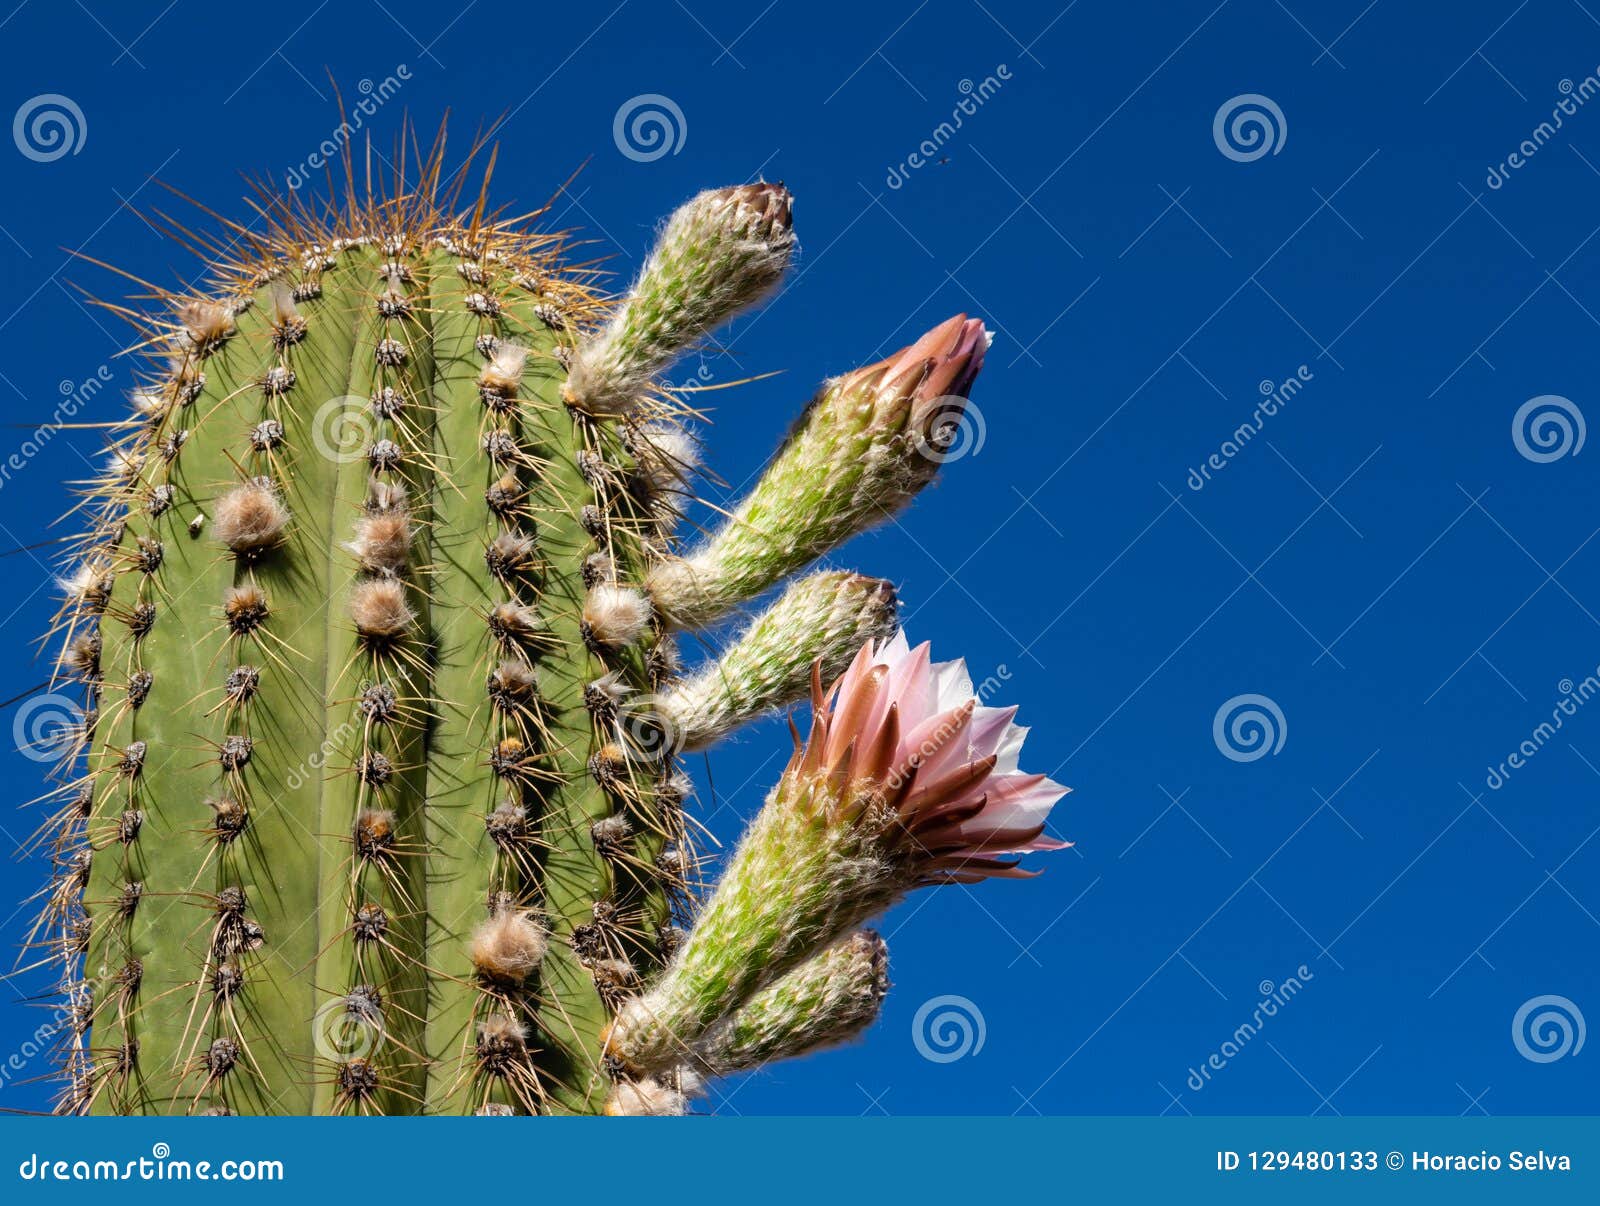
899,727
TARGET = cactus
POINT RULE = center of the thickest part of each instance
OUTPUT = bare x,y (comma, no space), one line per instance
375,808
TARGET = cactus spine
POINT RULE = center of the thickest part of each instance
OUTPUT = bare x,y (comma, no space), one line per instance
375,807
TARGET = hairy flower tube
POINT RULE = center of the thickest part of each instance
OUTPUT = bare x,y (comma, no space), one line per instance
906,779
867,443
720,253
829,999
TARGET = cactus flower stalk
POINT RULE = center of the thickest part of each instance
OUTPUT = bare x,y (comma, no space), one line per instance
829,999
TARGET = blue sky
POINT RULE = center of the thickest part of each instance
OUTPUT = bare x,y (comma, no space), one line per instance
1405,571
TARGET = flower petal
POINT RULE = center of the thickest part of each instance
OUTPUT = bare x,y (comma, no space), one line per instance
952,684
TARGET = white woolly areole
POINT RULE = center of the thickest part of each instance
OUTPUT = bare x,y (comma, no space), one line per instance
668,455
616,615
84,581
504,369
647,1097
611,685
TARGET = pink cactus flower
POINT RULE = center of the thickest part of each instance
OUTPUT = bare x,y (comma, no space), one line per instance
900,724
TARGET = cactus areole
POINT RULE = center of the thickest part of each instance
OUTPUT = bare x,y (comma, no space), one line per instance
375,807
